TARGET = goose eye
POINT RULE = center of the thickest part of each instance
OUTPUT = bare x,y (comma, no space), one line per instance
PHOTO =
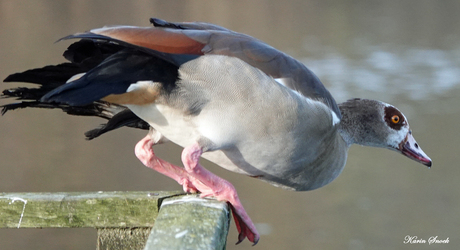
395,119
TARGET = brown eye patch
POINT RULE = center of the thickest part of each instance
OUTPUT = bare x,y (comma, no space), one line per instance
394,118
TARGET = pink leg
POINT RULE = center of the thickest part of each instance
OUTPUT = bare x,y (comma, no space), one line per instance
145,154
196,178
210,184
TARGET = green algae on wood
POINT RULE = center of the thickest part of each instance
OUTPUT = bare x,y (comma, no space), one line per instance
93,209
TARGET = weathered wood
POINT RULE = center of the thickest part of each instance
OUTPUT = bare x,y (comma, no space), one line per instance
124,219
190,222
122,238
97,209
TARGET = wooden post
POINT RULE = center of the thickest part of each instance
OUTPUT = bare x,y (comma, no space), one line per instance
124,219
190,222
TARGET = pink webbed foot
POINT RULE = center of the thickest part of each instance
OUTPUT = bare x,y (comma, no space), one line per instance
210,184
145,154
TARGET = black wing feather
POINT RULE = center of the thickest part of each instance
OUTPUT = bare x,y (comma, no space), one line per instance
83,55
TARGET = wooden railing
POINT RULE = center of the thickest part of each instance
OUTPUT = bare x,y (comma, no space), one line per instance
124,220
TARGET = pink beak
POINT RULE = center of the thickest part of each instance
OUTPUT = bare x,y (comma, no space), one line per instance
411,149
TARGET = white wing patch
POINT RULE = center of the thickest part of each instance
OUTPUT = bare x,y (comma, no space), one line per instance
75,77
281,81
335,118
140,85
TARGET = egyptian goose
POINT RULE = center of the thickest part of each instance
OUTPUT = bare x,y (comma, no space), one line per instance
222,95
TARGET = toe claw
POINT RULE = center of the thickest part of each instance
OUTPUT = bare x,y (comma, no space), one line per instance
241,237
256,240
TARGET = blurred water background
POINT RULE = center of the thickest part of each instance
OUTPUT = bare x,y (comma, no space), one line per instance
406,53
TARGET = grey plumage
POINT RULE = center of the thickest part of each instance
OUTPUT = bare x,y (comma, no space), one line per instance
219,94
217,87
250,124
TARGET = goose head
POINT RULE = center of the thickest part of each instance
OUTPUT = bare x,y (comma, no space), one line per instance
378,124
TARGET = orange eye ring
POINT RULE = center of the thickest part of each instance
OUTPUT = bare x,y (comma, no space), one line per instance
395,119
